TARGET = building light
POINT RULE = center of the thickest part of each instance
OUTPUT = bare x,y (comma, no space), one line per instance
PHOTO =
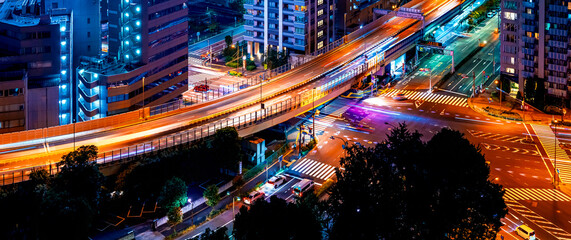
63,43
126,28
63,58
138,37
126,14
138,51
127,56
95,75
81,71
138,9
138,23
63,72
127,42
62,29
64,86
127,1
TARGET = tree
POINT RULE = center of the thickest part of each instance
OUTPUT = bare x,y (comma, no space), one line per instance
211,195
218,234
226,147
173,194
276,59
266,220
174,216
73,196
407,189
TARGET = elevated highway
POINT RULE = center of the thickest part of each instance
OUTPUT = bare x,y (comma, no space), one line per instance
129,134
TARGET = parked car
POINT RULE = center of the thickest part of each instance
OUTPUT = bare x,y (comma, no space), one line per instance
490,14
399,97
201,88
255,195
276,181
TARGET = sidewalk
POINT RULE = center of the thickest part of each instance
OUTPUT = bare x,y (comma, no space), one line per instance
535,121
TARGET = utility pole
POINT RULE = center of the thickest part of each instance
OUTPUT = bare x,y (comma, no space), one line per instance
313,101
474,84
143,92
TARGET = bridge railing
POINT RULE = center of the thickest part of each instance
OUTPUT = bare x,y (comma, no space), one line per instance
242,121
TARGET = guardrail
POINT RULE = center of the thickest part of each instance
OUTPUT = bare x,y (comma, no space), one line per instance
187,136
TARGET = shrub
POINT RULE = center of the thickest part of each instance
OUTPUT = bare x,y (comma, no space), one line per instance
251,67
232,64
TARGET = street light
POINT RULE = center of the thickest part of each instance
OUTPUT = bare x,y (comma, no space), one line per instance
243,63
386,123
429,70
500,83
555,149
191,211
313,102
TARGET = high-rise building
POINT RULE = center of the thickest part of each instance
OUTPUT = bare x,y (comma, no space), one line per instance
299,26
146,62
34,66
535,43
353,14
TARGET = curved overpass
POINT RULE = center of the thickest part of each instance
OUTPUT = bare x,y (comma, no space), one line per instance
18,155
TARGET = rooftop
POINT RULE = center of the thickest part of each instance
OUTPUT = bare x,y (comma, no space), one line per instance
20,12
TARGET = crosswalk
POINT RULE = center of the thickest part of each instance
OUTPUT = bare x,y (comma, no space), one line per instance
554,151
494,147
495,136
314,169
536,194
546,225
429,97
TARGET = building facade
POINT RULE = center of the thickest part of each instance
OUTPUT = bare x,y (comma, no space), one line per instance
535,43
34,67
353,14
299,26
146,63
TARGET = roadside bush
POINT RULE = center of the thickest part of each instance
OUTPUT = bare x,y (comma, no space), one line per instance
251,67
232,64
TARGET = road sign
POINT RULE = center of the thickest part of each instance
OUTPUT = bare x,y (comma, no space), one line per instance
410,15
281,158
410,10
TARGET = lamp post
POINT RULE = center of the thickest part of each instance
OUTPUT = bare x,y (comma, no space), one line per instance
555,175
500,83
191,212
429,70
313,102
386,123
243,63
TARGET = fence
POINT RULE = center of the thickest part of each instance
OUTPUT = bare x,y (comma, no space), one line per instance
193,134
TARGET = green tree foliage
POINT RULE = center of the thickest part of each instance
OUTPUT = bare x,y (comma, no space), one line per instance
274,59
269,220
408,189
211,195
226,147
173,194
238,5
174,216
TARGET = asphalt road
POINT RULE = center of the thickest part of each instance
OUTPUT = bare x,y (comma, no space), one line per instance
107,140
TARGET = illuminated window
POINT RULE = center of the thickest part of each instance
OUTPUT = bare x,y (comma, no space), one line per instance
319,2
320,23
320,45
320,12
510,15
512,60
320,34
510,70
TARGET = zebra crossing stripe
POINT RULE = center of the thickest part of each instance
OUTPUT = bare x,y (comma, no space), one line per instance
536,194
325,169
328,174
301,164
306,167
318,166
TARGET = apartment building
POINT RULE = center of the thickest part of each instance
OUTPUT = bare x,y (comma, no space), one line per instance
146,63
353,14
298,26
535,42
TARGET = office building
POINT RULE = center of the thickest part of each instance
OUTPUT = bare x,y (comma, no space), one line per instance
353,14
34,66
535,42
146,61
299,26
